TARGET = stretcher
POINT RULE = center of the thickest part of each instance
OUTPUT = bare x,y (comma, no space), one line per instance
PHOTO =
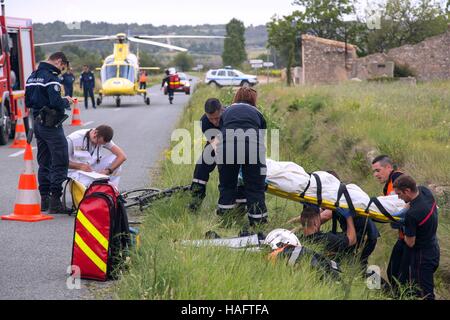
376,216
290,181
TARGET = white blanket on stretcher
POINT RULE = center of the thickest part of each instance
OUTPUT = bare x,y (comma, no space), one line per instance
292,178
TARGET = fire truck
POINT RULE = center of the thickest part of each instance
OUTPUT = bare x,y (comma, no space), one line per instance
16,64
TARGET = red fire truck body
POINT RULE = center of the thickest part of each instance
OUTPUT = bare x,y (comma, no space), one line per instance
16,64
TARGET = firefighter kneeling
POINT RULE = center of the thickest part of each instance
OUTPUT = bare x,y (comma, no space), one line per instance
85,155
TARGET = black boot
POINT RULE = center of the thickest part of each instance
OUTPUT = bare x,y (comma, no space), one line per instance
45,202
56,206
198,193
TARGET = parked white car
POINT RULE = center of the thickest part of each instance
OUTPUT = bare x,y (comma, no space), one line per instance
229,77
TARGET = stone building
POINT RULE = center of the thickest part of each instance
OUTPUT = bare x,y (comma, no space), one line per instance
373,66
326,61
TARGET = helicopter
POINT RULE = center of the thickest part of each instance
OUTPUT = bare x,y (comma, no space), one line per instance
120,71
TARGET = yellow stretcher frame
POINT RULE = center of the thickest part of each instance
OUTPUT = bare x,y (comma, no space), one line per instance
376,216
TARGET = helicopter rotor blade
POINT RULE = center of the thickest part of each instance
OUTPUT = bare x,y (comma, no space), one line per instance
72,41
158,44
179,37
84,35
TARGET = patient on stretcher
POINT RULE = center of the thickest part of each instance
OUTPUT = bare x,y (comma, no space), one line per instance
323,187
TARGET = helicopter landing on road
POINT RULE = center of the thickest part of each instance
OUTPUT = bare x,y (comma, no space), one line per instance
120,71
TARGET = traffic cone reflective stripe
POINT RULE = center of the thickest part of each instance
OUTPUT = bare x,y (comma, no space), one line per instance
27,206
20,137
76,118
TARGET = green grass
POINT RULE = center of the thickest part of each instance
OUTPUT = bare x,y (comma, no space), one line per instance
326,127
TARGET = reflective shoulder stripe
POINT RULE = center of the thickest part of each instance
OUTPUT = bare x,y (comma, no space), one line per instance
43,84
428,215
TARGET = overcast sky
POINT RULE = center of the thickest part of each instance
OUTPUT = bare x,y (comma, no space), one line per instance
161,12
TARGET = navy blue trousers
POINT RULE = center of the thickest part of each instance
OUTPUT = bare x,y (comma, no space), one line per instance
88,92
254,191
52,157
419,269
68,91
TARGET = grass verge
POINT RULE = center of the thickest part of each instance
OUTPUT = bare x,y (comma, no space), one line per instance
326,127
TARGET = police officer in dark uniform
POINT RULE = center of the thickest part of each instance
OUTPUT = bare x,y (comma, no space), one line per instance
67,81
43,96
421,255
87,83
241,148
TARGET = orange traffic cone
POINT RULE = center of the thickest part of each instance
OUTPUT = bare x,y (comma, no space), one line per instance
27,207
20,138
76,119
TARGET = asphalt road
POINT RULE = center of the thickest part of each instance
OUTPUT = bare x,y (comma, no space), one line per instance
34,257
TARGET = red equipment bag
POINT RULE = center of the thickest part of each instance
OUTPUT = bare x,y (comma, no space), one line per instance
101,235
174,81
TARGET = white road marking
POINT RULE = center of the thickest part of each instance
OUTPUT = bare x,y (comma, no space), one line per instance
19,153
117,109
87,123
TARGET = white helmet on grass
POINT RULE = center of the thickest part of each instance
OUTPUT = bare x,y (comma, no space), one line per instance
278,237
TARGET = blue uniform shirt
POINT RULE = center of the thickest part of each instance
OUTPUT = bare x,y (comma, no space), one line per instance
43,88
242,116
87,80
68,79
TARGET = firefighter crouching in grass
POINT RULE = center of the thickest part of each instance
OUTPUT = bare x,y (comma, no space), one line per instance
86,155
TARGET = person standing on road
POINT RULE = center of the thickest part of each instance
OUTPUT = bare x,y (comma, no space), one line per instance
143,80
241,147
421,244
385,172
43,96
67,80
167,80
87,83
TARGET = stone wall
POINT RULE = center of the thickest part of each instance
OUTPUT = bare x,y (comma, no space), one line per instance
373,66
325,61
429,59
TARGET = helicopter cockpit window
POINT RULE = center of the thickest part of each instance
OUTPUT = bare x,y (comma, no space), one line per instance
127,72
109,72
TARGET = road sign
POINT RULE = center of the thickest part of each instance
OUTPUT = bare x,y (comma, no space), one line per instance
257,65
256,61
268,64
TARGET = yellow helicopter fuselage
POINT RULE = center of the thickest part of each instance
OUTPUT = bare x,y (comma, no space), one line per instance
120,73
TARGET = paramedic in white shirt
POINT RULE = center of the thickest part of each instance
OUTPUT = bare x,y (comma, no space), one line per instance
87,153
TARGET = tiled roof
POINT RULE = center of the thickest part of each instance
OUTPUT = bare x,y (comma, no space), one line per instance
329,42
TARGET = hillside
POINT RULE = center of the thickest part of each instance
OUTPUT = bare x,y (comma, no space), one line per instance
256,36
